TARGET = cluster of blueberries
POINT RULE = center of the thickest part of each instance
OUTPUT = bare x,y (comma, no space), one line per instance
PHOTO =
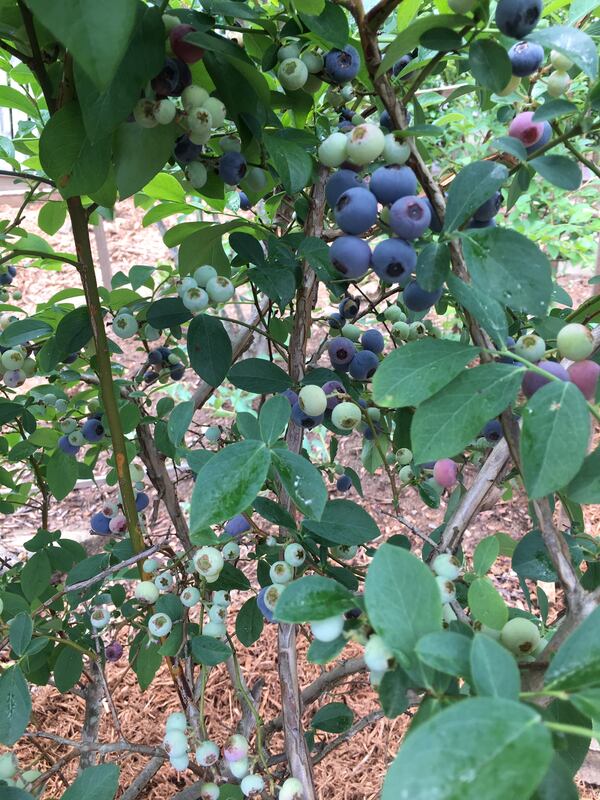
110,518
163,364
75,436
16,365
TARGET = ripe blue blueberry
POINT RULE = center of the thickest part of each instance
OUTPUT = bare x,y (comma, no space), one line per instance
392,182
475,224
99,523
342,65
385,121
394,260
336,321
245,203
333,391
341,352
232,168
303,420
356,210
350,256
349,307
173,78
492,431
363,365
517,18
417,299
185,151
525,58
262,606
290,395
373,340
489,209
92,430
66,446
142,501
341,181
237,526
402,62
176,371
410,217
344,483
532,381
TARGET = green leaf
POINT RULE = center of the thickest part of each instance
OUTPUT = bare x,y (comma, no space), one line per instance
259,376
508,144
324,652
333,718
397,583
140,153
443,425
330,27
409,38
486,604
15,702
473,185
61,473
531,558
249,623
393,692
309,6
291,161
209,651
145,659
209,348
228,483
302,481
100,782
588,702
179,421
585,486
67,669
495,261
576,664
167,312
36,574
52,216
490,741
274,513
12,98
552,109
344,522
446,651
68,157
20,632
415,372
433,266
96,34
559,170
486,552
494,672
489,64
165,187
273,418
571,42
313,598
23,330
554,438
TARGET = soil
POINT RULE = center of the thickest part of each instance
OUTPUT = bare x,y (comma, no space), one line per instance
355,771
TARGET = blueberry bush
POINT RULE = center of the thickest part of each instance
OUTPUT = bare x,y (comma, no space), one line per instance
306,156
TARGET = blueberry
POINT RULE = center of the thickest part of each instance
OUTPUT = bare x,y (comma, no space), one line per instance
92,430
402,62
417,299
364,365
394,260
347,114
525,58
150,376
232,168
517,18
489,209
339,182
290,395
525,129
100,523
585,374
356,210
492,431
350,256
543,140
12,271
185,151
344,483
155,356
532,381
66,446
188,52
70,358
435,224
336,321
332,389
113,651
349,307
263,608
392,182
488,223
342,65
173,78
385,121
341,351
142,501
304,420
245,203
237,525
373,340
410,217
177,371
6,278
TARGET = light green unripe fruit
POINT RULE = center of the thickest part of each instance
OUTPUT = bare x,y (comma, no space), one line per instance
333,150
288,51
190,596
170,21
327,630
462,6
209,791
217,111
401,330
574,341
559,61
292,74
530,346
521,636
446,587
200,120
256,179
406,474
176,743
151,565
313,61
203,274
208,560
8,765
291,789
396,149
404,456
417,330
558,83
230,144
346,416
281,572
394,314
100,617
334,98
176,722
147,591
164,111
136,472
160,625
365,144
12,359
446,566
200,137
510,86
294,554
197,174
344,552
374,414
143,113
377,654
351,332
193,97
312,400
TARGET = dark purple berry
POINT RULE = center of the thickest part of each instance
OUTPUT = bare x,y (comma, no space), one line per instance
417,299
394,260
232,168
344,483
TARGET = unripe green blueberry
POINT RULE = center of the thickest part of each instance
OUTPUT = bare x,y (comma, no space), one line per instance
200,121
406,474
208,560
401,330
377,654
197,174
236,748
417,330
29,367
221,598
164,581
176,743
291,789
213,433
334,98
346,416
256,179
165,111
332,150
404,456
217,111
521,636
351,332
176,722
313,61
220,289
209,791
207,753
291,50
125,326
186,283
530,346
204,274
281,572
294,555
143,113
194,299
151,565
327,630
200,137
394,313
574,341
312,400
396,149
559,61
190,596
160,625
447,566
76,438
217,613
12,359
193,97
8,765
252,784
170,21
68,425
344,552
510,87
558,83
272,595
231,144
447,590
292,74
374,414
215,629
180,763
100,617
147,591
239,769
151,334
231,551
365,144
